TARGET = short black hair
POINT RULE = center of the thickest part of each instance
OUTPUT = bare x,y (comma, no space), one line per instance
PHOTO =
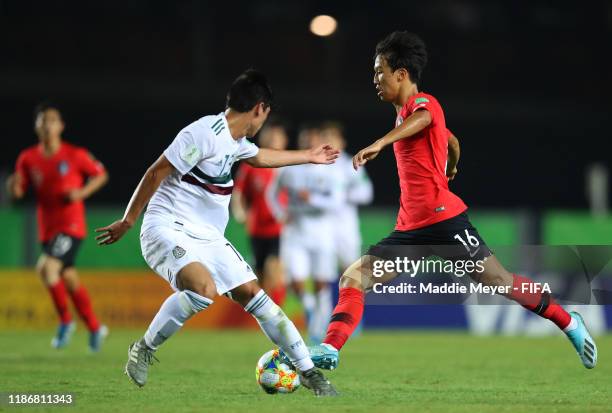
249,89
45,106
404,50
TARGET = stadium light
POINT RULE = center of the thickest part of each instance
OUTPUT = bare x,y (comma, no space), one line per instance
323,25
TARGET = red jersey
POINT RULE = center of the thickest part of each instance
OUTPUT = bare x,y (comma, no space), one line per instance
52,179
253,183
421,165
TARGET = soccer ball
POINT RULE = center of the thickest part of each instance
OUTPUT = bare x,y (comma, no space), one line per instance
274,376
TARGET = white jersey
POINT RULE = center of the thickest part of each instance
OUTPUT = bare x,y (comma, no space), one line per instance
311,221
358,190
196,196
307,244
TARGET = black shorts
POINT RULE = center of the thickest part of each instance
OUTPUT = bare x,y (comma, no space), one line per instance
452,239
63,247
262,249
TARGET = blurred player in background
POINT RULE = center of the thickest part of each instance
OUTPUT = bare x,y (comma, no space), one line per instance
307,246
431,220
249,204
358,191
56,170
188,190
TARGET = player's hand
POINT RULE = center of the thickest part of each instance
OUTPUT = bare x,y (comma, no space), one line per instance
239,217
324,154
284,219
367,154
304,195
451,174
113,232
14,185
74,195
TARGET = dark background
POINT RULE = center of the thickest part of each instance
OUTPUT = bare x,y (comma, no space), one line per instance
525,84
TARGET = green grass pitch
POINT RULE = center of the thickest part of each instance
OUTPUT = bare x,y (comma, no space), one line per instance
210,371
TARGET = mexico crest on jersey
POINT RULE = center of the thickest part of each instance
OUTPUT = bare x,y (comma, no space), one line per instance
178,252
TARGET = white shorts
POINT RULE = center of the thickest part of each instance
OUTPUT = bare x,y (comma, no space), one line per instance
168,249
348,247
301,262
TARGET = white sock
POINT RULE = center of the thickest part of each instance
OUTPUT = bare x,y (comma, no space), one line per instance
277,326
329,346
177,309
308,302
571,326
321,315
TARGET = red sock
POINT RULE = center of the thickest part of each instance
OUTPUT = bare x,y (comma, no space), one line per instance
81,301
278,295
540,303
60,300
346,317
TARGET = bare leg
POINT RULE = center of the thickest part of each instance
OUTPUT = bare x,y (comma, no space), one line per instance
197,290
71,279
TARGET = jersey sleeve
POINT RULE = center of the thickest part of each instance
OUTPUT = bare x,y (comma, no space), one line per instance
247,149
188,149
422,102
22,168
88,164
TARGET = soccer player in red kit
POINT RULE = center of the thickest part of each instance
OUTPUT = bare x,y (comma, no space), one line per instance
430,216
55,170
249,204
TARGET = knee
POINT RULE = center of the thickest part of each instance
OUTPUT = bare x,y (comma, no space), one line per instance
297,287
44,267
48,271
193,302
320,286
245,293
347,280
249,292
41,268
70,279
497,278
203,289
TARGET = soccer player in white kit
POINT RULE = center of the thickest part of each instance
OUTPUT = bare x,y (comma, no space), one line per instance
307,246
188,190
358,191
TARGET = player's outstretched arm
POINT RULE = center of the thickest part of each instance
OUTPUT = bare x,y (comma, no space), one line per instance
413,124
149,183
273,158
453,157
15,186
92,186
238,206
238,201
